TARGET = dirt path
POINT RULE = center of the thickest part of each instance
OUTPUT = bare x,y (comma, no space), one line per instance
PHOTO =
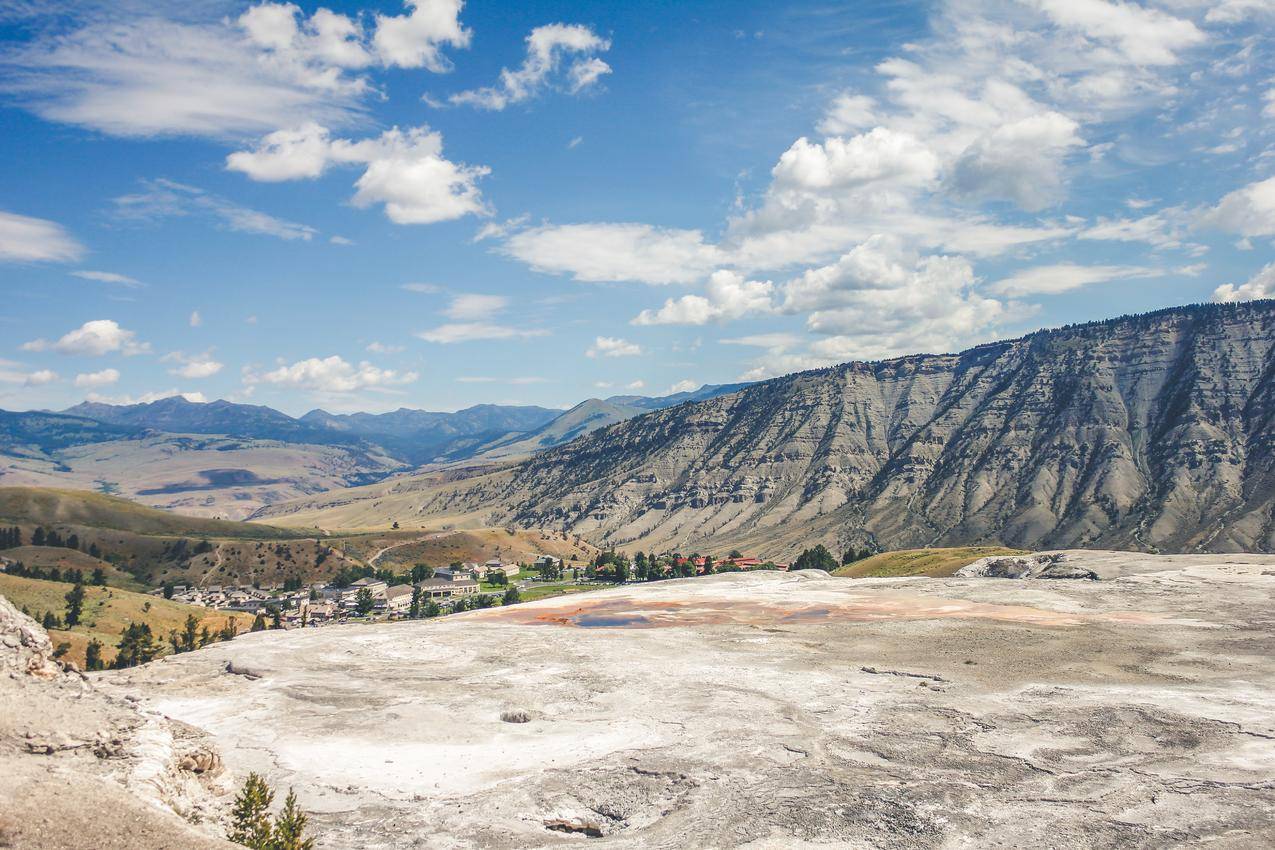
372,560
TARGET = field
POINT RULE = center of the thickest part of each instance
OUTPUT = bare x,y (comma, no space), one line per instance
921,562
107,610
550,590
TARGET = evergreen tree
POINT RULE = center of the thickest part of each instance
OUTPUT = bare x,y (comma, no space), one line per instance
168,590
205,636
432,609
708,565
289,827
276,617
250,815
38,537
364,602
258,624
137,646
190,634
414,612
818,558
511,597
94,551
50,620
93,655
99,577
74,605
73,542
228,631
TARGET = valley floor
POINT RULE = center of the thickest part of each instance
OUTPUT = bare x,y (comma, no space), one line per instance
769,710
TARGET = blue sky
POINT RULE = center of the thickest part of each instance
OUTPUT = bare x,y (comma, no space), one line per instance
436,204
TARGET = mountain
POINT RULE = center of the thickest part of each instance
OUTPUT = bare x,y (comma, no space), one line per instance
585,417
405,422
179,416
1143,432
38,431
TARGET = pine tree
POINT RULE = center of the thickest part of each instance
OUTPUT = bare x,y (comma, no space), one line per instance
364,602
50,620
190,634
38,538
259,624
137,646
414,612
511,597
250,815
93,655
289,827
99,577
74,605
229,631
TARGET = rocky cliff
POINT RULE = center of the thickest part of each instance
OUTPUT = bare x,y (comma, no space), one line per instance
1145,432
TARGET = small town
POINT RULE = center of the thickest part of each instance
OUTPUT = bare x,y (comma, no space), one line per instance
425,592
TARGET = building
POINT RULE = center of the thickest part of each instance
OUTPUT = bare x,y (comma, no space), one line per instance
495,566
398,599
464,572
446,588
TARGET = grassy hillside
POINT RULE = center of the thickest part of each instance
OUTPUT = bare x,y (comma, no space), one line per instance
47,557
24,506
921,562
107,610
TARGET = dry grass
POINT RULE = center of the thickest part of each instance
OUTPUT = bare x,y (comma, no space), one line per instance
921,562
107,610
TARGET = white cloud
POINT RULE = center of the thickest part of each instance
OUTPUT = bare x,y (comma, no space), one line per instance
403,169
1065,277
848,114
414,40
195,319
42,377
878,155
422,288
103,378
636,385
1020,161
683,387
727,296
331,375
271,67
547,50
109,277
469,306
28,240
474,331
1249,211
608,346
161,199
147,398
616,252
1145,36
1260,285
192,366
93,339
381,348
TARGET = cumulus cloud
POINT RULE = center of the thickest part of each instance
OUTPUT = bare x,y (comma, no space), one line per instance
616,252
109,277
548,50
331,375
192,366
93,339
270,67
727,295
104,378
41,377
195,319
1260,285
1065,277
683,387
1249,211
1146,36
403,169
608,346
161,199
147,398
30,240
1020,161
878,155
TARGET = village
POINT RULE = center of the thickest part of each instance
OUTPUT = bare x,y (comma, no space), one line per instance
426,592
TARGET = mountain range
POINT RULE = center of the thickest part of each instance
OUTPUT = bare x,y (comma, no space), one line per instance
226,459
1149,432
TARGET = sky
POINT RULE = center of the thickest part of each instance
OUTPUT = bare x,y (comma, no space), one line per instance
436,203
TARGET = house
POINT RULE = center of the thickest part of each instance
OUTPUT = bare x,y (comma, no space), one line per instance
320,612
495,566
546,561
464,572
374,586
446,588
398,599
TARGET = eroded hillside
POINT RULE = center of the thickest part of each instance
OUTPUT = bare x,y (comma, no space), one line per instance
1145,432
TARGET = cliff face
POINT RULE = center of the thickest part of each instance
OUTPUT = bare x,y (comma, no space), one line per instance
1148,432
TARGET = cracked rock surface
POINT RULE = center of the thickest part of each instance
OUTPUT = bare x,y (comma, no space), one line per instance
770,710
